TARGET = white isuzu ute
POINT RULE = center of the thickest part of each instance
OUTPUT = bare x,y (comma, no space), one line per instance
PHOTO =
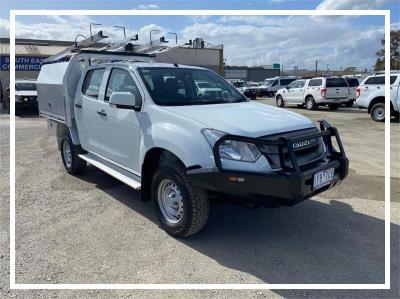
148,125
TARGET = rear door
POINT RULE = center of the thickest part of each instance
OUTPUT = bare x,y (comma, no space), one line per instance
86,110
353,84
120,127
336,88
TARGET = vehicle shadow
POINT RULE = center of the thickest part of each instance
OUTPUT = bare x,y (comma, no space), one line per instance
313,242
27,113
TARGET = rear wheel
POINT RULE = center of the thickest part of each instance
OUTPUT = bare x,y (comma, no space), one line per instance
310,103
181,207
378,112
279,101
69,155
333,106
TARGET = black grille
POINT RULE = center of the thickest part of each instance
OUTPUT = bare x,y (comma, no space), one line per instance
306,151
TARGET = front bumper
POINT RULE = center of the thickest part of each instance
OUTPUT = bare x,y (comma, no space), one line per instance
284,187
26,102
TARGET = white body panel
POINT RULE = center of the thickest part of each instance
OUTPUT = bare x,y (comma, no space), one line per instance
370,92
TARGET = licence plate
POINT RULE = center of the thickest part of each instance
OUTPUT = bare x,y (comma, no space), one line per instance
323,178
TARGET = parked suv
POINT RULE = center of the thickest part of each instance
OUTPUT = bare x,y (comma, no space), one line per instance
274,84
371,96
329,91
146,124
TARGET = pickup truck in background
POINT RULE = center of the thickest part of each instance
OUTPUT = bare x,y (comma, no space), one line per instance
25,95
371,96
322,91
147,125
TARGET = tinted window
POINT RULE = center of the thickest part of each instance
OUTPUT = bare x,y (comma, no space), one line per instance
293,84
353,82
25,86
336,82
177,86
91,85
376,80
301,83
285,82
315,82
121,81
393,79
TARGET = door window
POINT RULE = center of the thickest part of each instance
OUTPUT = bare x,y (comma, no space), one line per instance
301,83
379,80
92,83
294,84
121,81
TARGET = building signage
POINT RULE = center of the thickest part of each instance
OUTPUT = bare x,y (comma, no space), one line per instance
22,63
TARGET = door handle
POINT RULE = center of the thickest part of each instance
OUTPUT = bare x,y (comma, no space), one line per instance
378,87
78,105
102,112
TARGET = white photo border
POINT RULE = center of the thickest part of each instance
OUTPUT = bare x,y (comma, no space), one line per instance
14,13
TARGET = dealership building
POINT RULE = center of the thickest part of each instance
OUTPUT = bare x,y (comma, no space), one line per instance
30,53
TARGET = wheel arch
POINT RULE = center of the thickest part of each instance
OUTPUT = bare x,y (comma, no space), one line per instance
376,100
153,158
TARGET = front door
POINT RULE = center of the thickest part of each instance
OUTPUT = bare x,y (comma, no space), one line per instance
298,92
86,110
120,127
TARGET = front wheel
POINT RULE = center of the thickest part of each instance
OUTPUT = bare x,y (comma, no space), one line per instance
181,207
279,101
378,112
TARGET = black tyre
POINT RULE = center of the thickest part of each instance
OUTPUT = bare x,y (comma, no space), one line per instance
310,103
279,101
69,155
270,94
253,97
333,106
181,207
378,112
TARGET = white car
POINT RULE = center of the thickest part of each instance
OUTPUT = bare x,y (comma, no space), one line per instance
272,85
371,96
25,94
204,88
320,91
143,123
353,83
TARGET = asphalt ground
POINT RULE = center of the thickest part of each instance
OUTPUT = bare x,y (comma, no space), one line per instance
93,229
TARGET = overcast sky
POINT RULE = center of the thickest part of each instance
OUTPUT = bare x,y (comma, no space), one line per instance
248,40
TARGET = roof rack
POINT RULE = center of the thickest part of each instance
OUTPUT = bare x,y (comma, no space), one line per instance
77,46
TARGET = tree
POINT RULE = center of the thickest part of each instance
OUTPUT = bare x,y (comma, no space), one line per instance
394,53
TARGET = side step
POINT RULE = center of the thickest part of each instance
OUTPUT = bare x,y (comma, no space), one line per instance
117,172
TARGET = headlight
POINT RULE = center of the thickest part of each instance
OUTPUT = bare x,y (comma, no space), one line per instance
230,149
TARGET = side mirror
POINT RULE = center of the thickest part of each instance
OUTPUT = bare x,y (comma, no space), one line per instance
125,100
287,87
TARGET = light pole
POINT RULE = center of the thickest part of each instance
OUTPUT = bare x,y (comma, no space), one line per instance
153,30
176,37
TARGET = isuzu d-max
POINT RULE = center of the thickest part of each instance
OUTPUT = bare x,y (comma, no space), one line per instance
149,125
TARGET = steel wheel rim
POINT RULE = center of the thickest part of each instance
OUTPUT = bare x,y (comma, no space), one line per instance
379,112
309,104
67,154
170,201
279,101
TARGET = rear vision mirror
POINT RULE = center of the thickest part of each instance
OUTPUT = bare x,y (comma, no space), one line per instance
125,100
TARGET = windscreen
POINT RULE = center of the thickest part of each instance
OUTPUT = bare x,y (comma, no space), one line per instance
285,82
25,86
177,87
336,82
268,82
